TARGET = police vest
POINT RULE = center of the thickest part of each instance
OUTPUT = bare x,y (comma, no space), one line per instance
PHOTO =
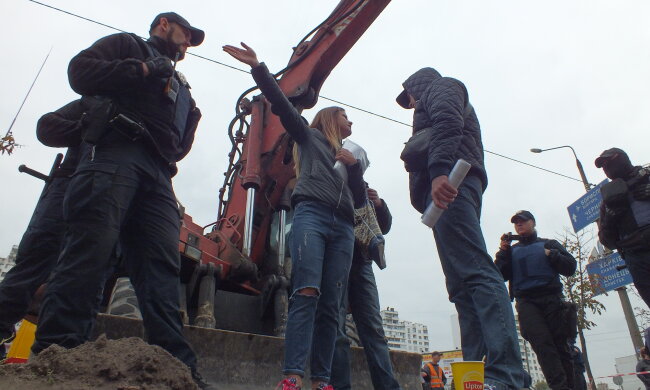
177,89
640,211
435,373
531,268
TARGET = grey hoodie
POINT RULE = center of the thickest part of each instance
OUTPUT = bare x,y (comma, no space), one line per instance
318,180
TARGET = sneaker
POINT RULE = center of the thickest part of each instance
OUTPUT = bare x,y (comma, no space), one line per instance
288,384
324,386
200,382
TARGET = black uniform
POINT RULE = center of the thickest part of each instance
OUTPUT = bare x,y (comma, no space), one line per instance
122,186
39,248
543,315
625,224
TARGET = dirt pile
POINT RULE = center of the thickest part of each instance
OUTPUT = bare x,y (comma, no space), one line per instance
124,364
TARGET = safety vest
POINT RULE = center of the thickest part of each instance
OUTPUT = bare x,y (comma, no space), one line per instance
436,376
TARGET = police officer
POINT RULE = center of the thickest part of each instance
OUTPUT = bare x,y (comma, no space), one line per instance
39,247
624,222
122,186
533,266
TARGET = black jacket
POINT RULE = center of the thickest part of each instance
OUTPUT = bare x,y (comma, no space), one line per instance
317,180
618,229
63,128
443,104
561,261
112,67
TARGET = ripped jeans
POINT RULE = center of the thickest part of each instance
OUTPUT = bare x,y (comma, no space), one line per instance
322,242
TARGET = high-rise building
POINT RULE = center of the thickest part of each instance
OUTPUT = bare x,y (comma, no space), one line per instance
404,335
8,262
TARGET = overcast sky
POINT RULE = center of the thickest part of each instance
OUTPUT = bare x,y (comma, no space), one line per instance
539,74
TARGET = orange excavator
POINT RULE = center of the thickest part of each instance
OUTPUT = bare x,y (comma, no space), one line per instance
236,275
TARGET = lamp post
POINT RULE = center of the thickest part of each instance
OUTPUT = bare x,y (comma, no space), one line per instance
578,163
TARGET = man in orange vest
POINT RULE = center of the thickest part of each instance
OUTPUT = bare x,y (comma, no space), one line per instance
432,373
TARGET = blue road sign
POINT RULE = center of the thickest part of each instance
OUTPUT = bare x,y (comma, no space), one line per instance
586,209
604,275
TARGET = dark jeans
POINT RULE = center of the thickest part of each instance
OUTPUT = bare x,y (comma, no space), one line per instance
37,254
126,190
542,321
638,263
363,298
321,242
476,287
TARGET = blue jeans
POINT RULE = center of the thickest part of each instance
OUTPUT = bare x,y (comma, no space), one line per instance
363,297
322,242
476,287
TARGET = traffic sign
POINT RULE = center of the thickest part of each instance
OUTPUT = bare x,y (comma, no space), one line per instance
604,274
586,209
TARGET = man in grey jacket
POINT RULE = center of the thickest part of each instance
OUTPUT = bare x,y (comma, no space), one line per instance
474,283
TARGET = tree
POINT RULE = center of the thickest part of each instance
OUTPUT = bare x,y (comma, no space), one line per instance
578,290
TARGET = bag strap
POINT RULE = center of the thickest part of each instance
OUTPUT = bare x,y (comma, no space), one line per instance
146,49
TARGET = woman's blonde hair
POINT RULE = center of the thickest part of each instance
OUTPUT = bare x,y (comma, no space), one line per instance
327,122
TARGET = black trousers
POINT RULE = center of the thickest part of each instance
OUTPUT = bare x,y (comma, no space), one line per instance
124,192
543,323
37,254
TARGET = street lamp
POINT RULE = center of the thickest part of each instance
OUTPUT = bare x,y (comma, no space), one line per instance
578,164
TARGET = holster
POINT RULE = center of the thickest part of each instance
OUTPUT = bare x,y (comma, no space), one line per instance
98,117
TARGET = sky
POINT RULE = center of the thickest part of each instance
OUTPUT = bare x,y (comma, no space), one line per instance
539,75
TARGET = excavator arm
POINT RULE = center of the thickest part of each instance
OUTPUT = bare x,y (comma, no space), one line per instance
255,182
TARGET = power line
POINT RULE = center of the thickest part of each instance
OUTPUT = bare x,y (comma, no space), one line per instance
322,97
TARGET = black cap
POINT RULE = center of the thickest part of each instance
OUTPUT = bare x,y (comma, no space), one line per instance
522,214
606,155
403,99
197,34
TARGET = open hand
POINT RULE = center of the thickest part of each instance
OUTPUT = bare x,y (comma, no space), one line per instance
442,193
246,55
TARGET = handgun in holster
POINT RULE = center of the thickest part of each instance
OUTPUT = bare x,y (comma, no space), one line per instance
127,127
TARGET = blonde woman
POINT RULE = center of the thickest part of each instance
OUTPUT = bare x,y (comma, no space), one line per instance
322,239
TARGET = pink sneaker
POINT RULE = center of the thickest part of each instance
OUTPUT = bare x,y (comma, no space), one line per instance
289,384
323,386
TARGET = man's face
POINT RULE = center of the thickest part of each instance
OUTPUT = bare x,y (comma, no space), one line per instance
178,39
435,359
412,103
524,227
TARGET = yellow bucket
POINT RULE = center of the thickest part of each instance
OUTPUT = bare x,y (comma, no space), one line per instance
468,375
22,344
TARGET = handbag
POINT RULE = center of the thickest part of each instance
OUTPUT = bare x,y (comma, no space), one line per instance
367,234
416,150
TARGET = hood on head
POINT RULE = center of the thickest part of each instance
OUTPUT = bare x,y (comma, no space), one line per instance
416,84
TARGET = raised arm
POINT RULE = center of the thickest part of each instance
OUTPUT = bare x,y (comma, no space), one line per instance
281,106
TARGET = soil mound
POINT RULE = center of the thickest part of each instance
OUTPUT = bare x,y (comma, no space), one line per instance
123,364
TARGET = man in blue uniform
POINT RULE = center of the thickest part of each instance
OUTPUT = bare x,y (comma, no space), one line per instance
533,266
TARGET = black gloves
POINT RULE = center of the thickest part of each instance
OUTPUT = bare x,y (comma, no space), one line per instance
160,67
